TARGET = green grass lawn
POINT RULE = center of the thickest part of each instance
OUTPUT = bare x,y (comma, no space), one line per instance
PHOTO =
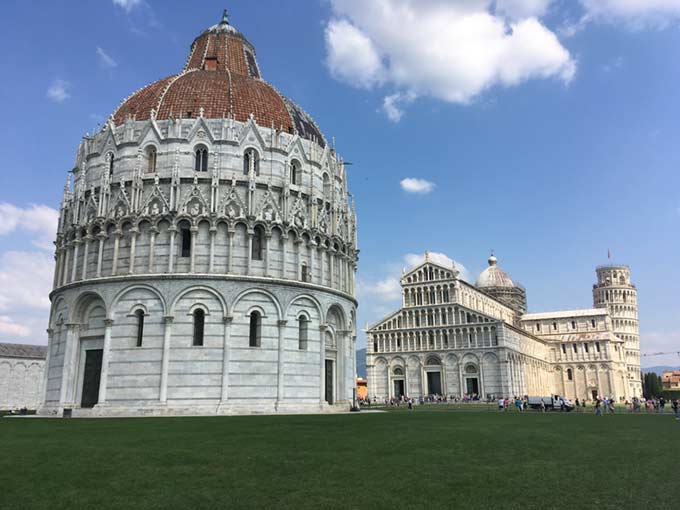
398,459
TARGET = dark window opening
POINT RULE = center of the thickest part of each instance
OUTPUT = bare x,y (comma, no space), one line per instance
140,327
199,327
255,328
302,333
258,244
201,163
186,241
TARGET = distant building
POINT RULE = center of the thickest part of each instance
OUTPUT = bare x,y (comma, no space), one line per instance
670,380
362,388
21,375
454,338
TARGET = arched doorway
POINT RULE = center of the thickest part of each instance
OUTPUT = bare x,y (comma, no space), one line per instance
433,371
88,354
398,383
471,379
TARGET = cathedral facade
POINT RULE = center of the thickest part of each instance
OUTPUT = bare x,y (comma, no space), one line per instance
453,338
206,252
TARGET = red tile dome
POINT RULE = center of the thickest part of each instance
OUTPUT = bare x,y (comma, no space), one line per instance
221,78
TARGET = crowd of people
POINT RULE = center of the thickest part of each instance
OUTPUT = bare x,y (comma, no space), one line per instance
601,405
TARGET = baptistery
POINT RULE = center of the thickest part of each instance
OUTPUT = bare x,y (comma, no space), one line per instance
206,252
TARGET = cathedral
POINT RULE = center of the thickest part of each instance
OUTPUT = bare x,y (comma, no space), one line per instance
456,339
206,253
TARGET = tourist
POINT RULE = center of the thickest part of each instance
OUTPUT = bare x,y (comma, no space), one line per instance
542,406
518,404
598,406
501,404
410,404
662,405
577,405
676,412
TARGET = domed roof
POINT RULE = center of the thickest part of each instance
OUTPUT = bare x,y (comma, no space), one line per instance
221,78
493,276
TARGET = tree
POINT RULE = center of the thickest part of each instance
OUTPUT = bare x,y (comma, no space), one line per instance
652,386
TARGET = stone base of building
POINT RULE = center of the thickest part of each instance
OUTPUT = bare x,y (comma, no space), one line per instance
229,408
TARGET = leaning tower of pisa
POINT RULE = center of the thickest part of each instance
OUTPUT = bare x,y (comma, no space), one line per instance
615,292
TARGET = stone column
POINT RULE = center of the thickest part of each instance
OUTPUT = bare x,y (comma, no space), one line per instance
311,251
100,253
192,259
267,241
211,263
481,381
153,232
171,256
76,246
68,369
284,238
133,245
280,362
230,253
250,253
298,268
104,378
322,264
83,274
225,358
64,275
116,245
46,371
461,389
322,363
332,268
165,363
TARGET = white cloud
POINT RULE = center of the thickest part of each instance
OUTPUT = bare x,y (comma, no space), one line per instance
25,280
413,185
38,219
635,13
127,5
449,50
392,105
387,289
105,60
10,328
58,91
351,55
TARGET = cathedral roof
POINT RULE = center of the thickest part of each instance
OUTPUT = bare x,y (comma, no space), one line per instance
221,78
493,276
23,351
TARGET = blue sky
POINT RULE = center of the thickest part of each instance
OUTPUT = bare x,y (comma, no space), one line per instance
548,131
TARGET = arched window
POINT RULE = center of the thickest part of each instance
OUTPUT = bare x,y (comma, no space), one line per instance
199,326
140,326
255,329
302,333
201,162
151,160
295,172
398,371
570,374
111,158
185,232
258,243
304,272
326,187
251,161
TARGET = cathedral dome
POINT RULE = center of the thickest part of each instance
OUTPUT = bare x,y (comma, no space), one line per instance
494,276
220,79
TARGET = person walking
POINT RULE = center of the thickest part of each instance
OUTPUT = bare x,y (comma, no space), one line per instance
598,407
662,405
578,404
501,404
676,411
